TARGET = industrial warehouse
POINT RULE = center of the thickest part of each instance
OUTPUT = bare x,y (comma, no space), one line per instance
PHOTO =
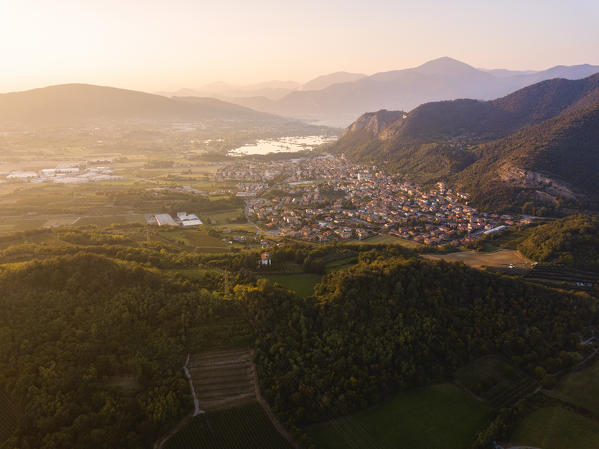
183,219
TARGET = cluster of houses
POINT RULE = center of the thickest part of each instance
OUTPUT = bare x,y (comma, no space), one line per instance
328,198
250,171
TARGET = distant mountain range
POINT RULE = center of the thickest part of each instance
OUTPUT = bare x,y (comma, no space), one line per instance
271,90
262,93
340,102
324,81
70,104
538,145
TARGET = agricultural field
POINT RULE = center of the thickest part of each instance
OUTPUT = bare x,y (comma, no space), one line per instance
509,238
223,217
581,388
196,239
9,416
556,427
301,283
390,240
244,427
563,277
223,379
108,220
438,416
231,416
341,264
494,379
498,259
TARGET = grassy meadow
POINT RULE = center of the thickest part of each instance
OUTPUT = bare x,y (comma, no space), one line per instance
556,427
437,416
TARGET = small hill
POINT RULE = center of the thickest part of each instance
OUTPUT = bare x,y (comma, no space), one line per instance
573,240
76,103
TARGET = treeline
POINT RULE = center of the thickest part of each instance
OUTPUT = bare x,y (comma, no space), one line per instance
572,240
389,324
92,350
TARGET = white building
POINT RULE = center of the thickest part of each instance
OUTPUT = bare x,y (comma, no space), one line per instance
188,219
164,220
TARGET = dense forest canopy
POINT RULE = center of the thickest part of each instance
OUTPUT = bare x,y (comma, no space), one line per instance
572,240
97,323
351,344
92,350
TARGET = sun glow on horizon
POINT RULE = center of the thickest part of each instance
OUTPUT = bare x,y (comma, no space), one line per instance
163,45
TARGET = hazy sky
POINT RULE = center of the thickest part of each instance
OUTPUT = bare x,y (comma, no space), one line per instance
167,44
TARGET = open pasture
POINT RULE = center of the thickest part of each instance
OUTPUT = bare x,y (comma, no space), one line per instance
581,388
498,259
438,416
243,427
390,240
301,283
556,427
195,239
223,217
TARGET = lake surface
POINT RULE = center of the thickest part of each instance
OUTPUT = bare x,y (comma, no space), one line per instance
282,145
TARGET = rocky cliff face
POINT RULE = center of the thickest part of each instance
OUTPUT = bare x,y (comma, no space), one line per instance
375,123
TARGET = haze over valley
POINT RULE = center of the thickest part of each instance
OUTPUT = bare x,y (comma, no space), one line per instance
299,225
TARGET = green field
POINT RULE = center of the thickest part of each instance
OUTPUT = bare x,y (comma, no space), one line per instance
197,239
301,283
498,259
246,427
581,388
341,264
438,416
108,220
557,428
223,217
390,240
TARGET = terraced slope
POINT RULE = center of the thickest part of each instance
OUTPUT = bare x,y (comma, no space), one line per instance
234,415
223,379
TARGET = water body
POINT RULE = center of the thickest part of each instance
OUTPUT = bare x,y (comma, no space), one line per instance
282,145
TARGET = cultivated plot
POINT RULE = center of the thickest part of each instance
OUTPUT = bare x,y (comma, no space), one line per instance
223,379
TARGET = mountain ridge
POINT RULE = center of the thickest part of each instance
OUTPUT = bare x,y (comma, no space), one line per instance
521,140
76,103
440,79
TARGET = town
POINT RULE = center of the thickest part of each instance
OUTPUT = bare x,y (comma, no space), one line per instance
327,198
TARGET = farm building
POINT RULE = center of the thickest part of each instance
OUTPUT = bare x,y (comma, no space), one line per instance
164,220
188,219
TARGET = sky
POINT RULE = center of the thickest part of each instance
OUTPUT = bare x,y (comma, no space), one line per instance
155,45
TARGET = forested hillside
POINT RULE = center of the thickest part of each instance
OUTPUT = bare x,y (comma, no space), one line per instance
92,350
537,145
352,344
553,162
572,241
